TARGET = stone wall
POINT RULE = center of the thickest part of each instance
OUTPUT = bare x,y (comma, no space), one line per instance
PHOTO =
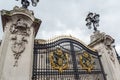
104,44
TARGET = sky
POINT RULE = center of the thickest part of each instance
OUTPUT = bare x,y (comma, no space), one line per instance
67,17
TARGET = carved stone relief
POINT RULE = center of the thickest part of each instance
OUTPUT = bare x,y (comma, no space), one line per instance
20,31
108,41
111,53
20,28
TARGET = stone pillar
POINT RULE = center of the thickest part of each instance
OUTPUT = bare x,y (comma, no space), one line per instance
16,54
104,45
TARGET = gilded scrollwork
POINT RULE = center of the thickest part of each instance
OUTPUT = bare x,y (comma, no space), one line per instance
58,60
87,61
19,31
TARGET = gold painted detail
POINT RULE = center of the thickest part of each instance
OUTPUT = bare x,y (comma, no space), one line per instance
58,60
87,61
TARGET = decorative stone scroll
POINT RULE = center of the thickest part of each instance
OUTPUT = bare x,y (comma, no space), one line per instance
20,31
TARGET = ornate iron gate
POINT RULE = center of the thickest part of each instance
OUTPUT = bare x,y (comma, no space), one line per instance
66,59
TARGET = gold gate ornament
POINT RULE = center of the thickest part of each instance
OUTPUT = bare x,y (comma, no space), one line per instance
86,61
58,60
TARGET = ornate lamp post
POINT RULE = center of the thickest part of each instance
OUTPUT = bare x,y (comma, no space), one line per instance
92,18
26,3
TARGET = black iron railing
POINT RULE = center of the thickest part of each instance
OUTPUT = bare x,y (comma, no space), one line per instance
43,70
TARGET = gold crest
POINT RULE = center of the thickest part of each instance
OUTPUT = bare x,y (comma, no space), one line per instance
86,61
58,60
